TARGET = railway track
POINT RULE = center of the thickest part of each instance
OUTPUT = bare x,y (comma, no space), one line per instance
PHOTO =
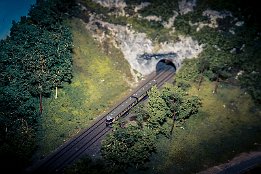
85,141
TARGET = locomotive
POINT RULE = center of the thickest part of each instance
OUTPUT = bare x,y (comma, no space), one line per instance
129,103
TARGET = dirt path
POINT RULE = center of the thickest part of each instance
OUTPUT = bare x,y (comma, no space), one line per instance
241,164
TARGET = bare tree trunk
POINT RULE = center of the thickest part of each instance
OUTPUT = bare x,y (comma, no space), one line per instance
56,92
216,86
173,123
200,81
41,106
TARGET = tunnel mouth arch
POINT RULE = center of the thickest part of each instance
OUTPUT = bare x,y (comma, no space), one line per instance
165,64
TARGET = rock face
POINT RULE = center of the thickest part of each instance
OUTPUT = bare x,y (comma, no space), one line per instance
112,3
186,6
133,44
118,4
214,15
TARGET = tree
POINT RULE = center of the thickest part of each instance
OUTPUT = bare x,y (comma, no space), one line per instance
128,147
34,59
140,113
188,107
157,109
203,65
46,14
45,56
181,105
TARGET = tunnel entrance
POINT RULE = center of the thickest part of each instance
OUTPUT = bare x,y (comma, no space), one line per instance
165,64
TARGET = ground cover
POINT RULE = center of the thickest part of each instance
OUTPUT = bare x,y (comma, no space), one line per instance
99,81
228,124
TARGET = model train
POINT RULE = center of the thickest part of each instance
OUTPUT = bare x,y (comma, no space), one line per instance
129,103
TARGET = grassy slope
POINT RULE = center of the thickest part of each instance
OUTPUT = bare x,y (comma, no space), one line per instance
225,126
98,83
228,124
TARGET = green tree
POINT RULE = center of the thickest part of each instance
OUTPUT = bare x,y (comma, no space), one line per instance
34,59
47,13
203,65
140,113
188,107
181,105
45,56
157,109
128,147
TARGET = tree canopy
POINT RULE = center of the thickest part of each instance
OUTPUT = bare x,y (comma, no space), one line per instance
34,59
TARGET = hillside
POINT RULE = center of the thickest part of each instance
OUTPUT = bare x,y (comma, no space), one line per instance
211,35
70,61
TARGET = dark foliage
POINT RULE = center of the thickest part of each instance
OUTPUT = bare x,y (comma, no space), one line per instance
34,59
128,147
87,165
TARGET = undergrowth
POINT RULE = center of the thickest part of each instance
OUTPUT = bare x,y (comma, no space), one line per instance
99,81
228,124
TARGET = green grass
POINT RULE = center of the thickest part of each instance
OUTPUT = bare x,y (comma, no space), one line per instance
227,124
99,81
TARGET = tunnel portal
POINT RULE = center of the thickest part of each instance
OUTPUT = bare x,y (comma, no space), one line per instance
165,64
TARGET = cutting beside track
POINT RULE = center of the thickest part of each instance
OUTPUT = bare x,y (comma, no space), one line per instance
85,143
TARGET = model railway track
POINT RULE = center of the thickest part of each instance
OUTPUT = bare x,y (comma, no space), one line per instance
169,75
75,148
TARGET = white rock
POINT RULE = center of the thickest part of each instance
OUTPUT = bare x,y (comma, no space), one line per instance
239,74
186,6
153,18
118,4
141,6
232,31
214,15
133,44
239,23
171,20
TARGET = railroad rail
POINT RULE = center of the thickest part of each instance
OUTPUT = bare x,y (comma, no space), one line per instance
86,142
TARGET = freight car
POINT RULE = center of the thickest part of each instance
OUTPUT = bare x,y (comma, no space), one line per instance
129,103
